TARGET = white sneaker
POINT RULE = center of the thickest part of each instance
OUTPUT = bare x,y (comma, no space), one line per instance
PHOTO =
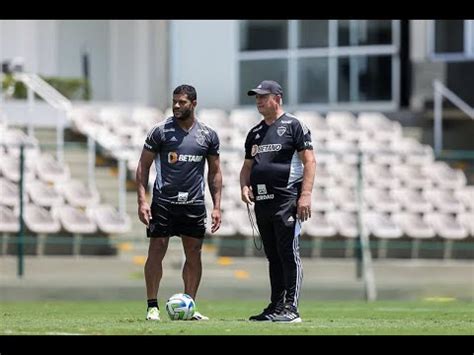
199,316
153,313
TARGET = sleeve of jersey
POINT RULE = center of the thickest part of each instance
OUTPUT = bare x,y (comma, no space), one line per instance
302,136
214,146
248,147
153,140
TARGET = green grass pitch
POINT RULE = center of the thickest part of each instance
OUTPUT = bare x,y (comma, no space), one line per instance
230,318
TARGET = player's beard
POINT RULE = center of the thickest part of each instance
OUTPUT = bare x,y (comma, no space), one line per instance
185,114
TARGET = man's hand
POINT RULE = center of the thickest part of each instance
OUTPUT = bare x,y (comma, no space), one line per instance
144,213
216,220
303,209
247,195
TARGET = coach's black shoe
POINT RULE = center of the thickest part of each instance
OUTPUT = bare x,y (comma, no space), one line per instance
287,314
268,313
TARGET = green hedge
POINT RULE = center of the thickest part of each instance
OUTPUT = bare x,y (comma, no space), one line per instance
72,88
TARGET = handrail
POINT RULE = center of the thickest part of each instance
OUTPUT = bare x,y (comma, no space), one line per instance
441,90
36,84
44,90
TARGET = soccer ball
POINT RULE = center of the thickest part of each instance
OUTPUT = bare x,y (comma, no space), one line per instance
180,307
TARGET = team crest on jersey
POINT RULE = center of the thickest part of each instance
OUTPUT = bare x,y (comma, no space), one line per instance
172,157
200,138
254,150
281,130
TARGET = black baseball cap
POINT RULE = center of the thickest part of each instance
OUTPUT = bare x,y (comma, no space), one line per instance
267,87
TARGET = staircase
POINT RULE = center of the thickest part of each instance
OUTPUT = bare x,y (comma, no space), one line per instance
133,244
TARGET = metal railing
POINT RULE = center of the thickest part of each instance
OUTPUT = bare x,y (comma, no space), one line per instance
54,98
441,91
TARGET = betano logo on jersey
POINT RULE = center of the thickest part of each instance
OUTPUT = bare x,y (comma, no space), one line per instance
174,157
256,149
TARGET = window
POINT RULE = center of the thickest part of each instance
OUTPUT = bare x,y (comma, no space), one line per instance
263,34
313,33
451,40
252,72
322,62
449,36
364,78
364,32
375,78
313,80
371,32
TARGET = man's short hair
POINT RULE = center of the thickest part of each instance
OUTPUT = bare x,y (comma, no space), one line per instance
189,90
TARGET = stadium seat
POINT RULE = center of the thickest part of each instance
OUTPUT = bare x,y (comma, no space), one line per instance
345,124
10,167
85,119
244,119
9,225
10,193
325,240
147,117
75,220
444,176
466,219
345,223
325,178
466,195
379,126
41,221
412,200
77,194
9,222
387,233
344,198
43,194
50,170
215,118
109,220
345,174
379,152
446,225
413,151
381,225
318,226
381,200
320,131
380,176
12,138
320,201
412,176
444,200
448,228
415,227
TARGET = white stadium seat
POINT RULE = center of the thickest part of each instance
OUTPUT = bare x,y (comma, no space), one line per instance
43,194
75,220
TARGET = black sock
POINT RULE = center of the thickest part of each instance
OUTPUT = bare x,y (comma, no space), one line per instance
152,303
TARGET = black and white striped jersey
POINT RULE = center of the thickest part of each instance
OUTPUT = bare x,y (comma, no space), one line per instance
277,170
179,161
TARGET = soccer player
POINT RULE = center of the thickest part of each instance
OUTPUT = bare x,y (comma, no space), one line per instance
179,146
278,175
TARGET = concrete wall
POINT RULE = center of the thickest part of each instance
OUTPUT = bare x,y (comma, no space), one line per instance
204,54
128,59
76,36
139,61
424,71
34,40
